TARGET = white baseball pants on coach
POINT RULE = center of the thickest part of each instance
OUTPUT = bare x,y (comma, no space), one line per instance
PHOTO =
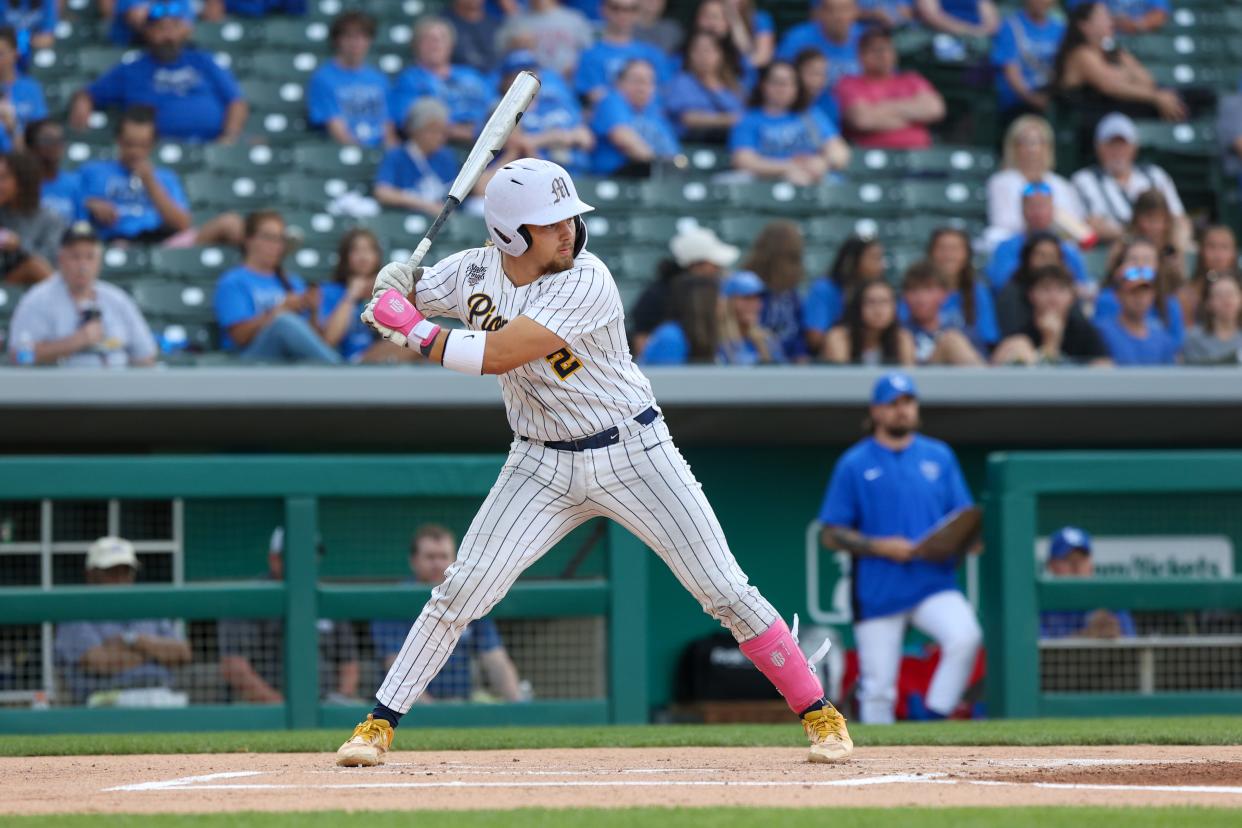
946,617
642,482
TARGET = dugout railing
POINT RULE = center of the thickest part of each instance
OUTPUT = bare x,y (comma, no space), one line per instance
1016,591
301,483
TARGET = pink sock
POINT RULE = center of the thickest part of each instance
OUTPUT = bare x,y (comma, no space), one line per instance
778,657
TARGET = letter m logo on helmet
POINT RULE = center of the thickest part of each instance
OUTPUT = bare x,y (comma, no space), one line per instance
559,189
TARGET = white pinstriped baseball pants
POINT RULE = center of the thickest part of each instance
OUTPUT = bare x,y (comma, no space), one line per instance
642,482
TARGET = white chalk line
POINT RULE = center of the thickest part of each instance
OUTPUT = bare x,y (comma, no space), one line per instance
193,783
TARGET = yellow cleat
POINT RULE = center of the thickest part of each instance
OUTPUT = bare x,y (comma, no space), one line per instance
366,748
830,740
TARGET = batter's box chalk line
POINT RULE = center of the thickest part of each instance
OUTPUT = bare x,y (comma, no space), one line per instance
202,783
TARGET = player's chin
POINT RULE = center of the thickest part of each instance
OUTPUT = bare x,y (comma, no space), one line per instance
561,262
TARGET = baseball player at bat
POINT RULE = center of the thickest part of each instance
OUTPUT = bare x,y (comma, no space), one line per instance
543,314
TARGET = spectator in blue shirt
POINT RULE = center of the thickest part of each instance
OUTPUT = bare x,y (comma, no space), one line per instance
1069,556
834,30
1023,53
1037,215
1134,16
33,22
751,30
887,492
1133,337
969,306
358,259
432,551
346,96
860,259
265,314
892,14
963,18
21,97
463,90
62,190
631,131
924,292
776,256
780,136
552,127
1166,309
600,66
133,199
704,99
194,98
416,175
714,322
812,69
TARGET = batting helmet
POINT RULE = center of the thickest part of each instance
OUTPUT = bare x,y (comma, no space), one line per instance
531,191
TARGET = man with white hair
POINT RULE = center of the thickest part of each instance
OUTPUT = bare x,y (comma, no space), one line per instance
544,315
1110,187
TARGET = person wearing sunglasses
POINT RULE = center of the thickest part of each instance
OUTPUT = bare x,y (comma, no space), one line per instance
1166,310
1133,337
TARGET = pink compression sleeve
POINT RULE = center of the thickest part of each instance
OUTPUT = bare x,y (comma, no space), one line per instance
778,657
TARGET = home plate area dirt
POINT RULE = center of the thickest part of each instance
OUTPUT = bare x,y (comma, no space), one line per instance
922,776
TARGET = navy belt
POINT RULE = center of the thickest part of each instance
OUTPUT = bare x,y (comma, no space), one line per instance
605,438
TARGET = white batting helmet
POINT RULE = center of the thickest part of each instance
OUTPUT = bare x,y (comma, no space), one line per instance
530,191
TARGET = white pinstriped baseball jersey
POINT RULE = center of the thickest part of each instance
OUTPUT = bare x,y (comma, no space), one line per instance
578,391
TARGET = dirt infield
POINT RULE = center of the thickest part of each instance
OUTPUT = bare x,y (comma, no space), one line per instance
924,776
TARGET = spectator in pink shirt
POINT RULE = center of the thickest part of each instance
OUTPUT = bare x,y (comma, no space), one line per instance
882,107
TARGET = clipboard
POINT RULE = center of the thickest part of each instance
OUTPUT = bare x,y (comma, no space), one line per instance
957,533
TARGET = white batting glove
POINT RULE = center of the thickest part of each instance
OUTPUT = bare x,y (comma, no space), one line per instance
397,276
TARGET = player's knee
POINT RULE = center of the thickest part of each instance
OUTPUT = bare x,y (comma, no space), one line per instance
964,641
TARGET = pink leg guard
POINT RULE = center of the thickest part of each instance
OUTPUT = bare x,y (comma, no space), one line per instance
778,657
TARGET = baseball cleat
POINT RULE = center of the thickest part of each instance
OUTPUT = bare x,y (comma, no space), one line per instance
366,748
830,740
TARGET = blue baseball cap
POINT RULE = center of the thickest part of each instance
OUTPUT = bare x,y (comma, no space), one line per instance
170,8
517,60
1066,539
891,386
743,283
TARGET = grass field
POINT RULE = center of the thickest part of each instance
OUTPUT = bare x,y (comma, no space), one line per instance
1188,730
678,817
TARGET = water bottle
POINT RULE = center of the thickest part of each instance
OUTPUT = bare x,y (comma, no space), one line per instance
25,349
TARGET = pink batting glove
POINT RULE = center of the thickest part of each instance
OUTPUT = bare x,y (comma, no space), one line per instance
398,321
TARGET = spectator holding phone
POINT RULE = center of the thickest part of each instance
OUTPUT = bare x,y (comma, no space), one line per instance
265,314
75,319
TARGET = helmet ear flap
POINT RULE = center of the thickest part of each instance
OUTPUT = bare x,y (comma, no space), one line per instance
580,235
515,243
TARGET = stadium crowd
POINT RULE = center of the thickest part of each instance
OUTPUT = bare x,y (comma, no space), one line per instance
1106,264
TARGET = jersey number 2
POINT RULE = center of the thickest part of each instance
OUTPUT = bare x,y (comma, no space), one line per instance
563,362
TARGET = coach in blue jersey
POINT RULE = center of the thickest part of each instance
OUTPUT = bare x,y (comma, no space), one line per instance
886,492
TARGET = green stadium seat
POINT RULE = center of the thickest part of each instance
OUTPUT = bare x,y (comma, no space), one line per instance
683,195
317,229
951,162
870,198
874,165
308,193
9,297
221,191
899,257
93,61
637,265
834,230
953,198
394,36
228,36
1183,47
200,265
817,259
609,194
184,158
314,264
605,231
297,34
266,96
918,228
399,229
174,301
195,337
774,197
1196,139
1197,75
707,158
1096,261
332,160
276,128
282,65
239,159
125,263
738,229
653,228
49,65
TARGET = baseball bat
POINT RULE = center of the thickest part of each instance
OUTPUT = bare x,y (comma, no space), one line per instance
489,144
